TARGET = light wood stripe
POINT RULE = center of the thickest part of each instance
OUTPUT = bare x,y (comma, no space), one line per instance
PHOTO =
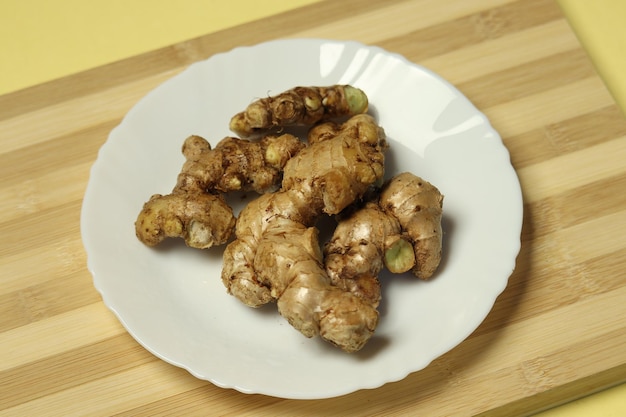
566,136
502,53
105,395
569,208
66,256
395,20
541,374
73,367
482,27
75,328
528,113
39,229
28,196
60,119
202,397
46,300
572,170
527,79
545,343
74,147
555,281
586,241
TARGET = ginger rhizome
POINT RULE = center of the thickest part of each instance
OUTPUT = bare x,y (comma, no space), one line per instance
196,210
417,204
400,229
299,106
236,164
276,255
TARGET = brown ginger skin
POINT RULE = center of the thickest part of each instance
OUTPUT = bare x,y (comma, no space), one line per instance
354,256
400,229
299,106
195,210
201,219
277,256
417,204
236,164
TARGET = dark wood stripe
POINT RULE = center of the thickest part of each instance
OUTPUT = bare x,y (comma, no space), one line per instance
71,368
55,296
34,161
39,229
570,135
530,78
472,29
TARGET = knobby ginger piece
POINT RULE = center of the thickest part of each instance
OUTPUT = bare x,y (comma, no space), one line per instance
276,255
299,106
202,220
400,229
418,205
196,210
236,164
354,255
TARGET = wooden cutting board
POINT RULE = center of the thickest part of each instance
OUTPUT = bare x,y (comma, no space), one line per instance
556,333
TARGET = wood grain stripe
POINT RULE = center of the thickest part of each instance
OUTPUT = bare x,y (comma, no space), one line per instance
114,393
556,338
74,328
481,29
28,194
499,54
65,256
53,297
393,20
26,163
575,169
532,112
76,114
527,79
72,367
40,229
587,240
542,374
195,402
585,203
566,136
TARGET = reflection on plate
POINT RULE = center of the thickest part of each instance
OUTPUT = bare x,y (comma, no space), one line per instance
171,298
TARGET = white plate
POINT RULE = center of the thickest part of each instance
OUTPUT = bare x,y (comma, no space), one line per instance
171,298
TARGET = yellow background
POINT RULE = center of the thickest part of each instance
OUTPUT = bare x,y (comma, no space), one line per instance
42,40
601,28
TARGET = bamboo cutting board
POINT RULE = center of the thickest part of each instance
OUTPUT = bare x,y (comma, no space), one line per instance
556,333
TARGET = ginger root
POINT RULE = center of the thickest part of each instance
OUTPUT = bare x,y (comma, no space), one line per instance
400,230
201,219
195,210
276,254
236,164
417,204
355,254
299,106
